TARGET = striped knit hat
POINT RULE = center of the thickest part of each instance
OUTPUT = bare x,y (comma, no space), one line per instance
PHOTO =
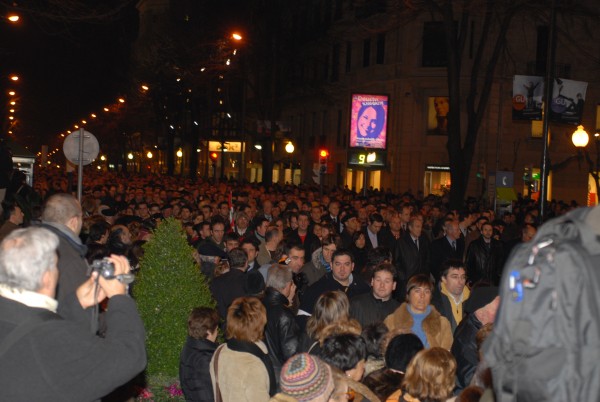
306,378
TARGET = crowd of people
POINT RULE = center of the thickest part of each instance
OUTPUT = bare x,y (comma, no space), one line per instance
376,297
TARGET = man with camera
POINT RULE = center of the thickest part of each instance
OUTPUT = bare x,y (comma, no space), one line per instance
49,357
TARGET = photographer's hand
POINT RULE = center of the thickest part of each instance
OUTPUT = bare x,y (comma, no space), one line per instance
114,287
85,292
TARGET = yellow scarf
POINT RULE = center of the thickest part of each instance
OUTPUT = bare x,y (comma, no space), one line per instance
457,308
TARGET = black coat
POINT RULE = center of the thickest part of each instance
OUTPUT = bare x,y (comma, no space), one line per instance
485,263
282,334
366,309
60,360
440,250
464,349
228,287
194,373
309,240
327,283
380,239
410,260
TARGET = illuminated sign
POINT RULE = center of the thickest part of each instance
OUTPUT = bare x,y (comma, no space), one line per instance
437,167
229,146
367,158
368,121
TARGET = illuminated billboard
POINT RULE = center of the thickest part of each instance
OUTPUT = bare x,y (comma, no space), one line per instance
368,121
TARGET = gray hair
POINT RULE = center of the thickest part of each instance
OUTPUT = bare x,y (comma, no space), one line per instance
59,208
25,255
278,276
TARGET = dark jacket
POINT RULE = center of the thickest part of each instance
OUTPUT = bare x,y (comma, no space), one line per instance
226,288
380,239
367,309
464,349
194,373
327,283
309,240
440,250
485,262
72,265
282,334
410,260
60,360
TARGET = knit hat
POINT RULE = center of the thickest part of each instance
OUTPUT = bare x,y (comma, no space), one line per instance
306,378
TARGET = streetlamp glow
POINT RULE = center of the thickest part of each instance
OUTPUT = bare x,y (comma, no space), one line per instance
103,158
236,36
289,147
13,18
130,156
12,93
179,153
580,137
145,87
14,77
149,155
121,100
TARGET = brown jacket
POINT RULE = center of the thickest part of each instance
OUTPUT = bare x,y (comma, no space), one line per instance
436,327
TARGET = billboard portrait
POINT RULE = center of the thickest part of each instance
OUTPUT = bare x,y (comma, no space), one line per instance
568,98
368,121
437,115
528,91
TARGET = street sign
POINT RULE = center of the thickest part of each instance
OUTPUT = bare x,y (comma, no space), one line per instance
89,151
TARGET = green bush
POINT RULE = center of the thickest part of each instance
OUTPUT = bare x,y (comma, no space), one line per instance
168,287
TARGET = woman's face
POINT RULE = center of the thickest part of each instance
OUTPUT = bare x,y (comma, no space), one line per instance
367,122
419,298
441,106
360,242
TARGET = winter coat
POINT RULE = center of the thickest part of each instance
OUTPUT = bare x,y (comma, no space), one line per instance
194,374
316,267
436,327
282,334
464,349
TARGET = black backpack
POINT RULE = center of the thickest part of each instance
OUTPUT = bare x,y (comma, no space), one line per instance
545,345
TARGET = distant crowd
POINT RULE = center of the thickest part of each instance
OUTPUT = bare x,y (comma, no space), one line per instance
343,296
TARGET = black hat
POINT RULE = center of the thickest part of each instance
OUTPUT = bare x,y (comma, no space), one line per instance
480,297
347,217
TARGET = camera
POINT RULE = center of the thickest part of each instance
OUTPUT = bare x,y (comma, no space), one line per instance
106,269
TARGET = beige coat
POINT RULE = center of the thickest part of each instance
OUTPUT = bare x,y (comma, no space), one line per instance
242,376
436,327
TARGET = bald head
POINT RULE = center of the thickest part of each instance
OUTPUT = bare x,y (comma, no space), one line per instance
64,209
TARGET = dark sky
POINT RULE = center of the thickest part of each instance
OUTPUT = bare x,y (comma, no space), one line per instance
68,69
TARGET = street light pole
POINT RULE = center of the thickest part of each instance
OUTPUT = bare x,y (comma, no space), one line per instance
548,99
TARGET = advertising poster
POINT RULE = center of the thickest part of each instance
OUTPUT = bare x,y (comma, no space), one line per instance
568,98
437,115
368,121
528,91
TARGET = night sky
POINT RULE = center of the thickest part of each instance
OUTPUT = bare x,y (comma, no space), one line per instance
68,69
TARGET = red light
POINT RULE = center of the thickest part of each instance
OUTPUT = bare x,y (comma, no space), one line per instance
323,153
214,156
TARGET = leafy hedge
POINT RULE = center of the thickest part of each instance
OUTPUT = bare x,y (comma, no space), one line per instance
168,287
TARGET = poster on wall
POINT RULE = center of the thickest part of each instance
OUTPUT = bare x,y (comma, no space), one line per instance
528,91
437,115
368,124
568,98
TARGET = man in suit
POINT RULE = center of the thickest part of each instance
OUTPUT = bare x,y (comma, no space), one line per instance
412,252
372,231
450,246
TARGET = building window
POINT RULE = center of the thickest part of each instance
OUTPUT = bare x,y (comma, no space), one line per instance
348,56
380,55
335,63
434,45
366,52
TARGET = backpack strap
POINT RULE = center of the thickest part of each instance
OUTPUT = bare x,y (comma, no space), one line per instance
218,397
26,327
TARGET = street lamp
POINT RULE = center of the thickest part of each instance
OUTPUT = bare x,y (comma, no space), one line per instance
289,148
580,137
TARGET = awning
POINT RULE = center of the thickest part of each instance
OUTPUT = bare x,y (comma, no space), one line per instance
506,193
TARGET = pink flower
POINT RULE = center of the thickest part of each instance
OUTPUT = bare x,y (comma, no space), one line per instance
174,390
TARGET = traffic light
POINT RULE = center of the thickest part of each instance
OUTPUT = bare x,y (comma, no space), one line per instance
323,158
214,156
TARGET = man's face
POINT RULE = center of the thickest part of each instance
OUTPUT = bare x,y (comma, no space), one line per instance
383,285
296,260
352,224
224,210
251,251
242,222
405,215
315,214
19,215
231,244
487,231
334,209
303,222
341,268
205,232
142,210
453,231
185,214
415,228
375,227
395,224
328,251
528,234
218,232
455,281
262,228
